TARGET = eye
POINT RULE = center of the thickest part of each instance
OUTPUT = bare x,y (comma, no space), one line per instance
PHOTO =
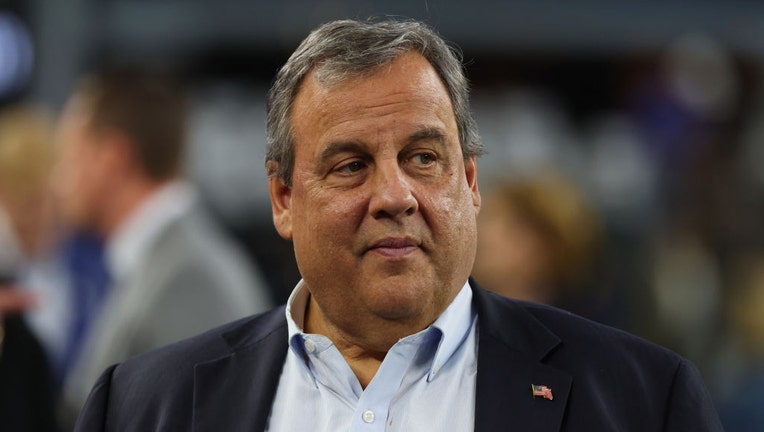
424,158
351,167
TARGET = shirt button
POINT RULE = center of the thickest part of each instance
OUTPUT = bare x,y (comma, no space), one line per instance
310,346
368,416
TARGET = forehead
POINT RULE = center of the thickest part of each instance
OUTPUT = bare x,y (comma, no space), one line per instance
406,93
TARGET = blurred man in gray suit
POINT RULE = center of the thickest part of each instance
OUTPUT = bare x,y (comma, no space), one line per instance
173,272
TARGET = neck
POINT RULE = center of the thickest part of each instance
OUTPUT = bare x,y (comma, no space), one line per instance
125,200
363,357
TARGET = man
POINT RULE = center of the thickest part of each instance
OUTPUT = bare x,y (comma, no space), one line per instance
373,177
174,274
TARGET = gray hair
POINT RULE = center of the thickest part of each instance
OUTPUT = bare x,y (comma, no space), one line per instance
345,49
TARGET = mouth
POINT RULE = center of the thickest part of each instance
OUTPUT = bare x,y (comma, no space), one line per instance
394,247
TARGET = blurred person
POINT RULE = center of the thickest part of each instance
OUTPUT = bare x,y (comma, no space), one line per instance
26,159
34,248
537,240
687,289
372,165
173,272
26,389
26,384
741,367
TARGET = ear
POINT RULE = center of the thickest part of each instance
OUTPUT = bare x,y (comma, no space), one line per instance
281,202
470,170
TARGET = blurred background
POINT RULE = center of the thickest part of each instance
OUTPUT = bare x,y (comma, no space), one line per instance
624,139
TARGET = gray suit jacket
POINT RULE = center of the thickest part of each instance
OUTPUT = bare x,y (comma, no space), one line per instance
191,280
602,379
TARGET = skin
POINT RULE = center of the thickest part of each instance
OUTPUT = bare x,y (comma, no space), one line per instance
15,300
382,209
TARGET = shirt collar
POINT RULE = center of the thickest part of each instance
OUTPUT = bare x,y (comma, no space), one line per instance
295,309
139,230
449,330
454,324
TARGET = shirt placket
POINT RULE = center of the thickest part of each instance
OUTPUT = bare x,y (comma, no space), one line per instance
373,407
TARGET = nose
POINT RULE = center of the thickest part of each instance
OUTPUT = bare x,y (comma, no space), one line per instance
392,194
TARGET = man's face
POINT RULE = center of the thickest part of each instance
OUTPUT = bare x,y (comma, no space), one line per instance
383,205
79,177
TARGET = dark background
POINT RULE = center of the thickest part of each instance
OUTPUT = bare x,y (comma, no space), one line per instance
654,108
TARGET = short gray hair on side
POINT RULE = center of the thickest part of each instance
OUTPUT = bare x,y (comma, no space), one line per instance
346,49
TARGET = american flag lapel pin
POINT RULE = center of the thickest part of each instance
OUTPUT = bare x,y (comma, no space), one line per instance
541,391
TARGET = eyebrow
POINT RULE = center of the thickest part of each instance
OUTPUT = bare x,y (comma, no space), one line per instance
337,147
426,135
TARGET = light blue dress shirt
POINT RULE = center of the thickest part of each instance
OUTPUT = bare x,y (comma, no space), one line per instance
425,383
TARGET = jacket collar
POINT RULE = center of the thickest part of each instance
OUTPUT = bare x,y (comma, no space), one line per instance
512,347
235,392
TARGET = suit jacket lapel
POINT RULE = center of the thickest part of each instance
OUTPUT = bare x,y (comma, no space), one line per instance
511,349
235,392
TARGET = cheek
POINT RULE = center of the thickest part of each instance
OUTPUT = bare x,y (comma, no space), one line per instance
325,222
78,181
329,208
451,221
77,185
71,166
66,180
78,194
454,208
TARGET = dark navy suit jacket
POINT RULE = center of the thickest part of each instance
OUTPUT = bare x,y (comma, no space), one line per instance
601,379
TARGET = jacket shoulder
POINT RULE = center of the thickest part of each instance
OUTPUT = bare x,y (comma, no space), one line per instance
619,381
590,338
159,383
207,346
514,320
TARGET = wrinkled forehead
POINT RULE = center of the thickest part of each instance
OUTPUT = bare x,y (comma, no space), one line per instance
334,70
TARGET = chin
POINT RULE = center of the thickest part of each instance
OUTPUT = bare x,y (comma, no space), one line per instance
401,313
402,304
